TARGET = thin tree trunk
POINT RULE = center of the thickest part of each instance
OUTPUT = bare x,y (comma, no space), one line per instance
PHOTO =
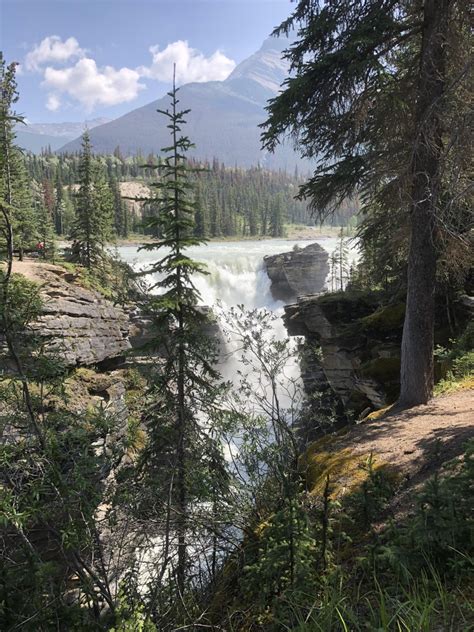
181,429
418,331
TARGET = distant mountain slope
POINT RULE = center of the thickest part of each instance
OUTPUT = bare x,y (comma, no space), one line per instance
36,143
35,137
223,121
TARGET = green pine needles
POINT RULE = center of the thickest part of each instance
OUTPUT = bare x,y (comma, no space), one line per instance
185,386
174,222
92,227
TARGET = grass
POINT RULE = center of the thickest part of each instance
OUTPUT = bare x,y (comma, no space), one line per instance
423,604
451,384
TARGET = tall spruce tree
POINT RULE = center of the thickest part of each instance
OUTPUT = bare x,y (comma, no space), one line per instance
367,99
59,204
277,218
185,386
18,215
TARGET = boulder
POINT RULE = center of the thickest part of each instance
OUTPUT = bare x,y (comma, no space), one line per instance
298,272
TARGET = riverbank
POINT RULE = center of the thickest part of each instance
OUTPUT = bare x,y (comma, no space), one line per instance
293,232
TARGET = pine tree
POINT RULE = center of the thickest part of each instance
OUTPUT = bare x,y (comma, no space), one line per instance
201,215
120,210
59,205
93,224
185,385
216,216
370,95
103,200
277,227
47,245
18,215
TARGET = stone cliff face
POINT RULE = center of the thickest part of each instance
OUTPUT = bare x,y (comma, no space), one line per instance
359,348
77,324
82,327
353,344
299,272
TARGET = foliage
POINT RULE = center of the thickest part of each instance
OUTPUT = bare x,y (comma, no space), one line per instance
17,212
52,482
413,575
282,568
52,470
442,528
458,360
92,227
180,470
379,98
349,105
230,201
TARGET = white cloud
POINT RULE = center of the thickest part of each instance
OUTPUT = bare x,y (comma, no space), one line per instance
191,64
53,50
92,86
53,103
84,82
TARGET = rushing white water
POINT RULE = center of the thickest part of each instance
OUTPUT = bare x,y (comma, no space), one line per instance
237,276
236,272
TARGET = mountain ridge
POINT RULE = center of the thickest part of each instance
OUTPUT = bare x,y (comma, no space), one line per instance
223,122
36,137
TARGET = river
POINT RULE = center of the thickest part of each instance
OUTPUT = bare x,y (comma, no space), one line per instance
236,272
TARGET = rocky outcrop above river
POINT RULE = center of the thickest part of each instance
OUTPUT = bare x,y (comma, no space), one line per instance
77,324
358,348
298,272
353,342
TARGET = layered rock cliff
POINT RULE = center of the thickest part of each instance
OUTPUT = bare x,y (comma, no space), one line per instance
358,346
353,344
79,325
298,272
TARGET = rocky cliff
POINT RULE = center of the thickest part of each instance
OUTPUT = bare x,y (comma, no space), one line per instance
353,344
298,272
77,324
358,346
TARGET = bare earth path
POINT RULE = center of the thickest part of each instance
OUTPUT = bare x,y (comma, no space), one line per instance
35,270
417,441
410,437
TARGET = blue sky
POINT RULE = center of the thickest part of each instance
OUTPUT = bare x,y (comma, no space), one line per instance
89,58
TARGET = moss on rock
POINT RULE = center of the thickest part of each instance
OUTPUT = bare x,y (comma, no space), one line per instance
345,307
345,469
382,370
385,318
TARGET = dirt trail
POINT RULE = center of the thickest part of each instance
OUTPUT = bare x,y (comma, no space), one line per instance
36,270
416,442
411,437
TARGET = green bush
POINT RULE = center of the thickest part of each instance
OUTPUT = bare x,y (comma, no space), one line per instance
441,530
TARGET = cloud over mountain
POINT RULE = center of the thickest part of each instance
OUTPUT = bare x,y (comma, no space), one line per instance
223,121
86,83
52,49
90,85
191,64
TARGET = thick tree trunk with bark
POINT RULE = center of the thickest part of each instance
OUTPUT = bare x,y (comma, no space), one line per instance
418,331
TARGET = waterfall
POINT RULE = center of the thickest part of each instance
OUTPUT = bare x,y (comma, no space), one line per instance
236,276
236,273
